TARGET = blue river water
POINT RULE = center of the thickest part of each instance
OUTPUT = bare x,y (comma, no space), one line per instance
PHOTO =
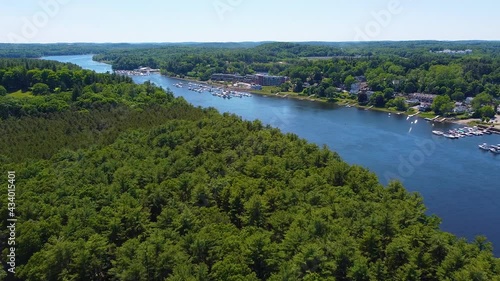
459,182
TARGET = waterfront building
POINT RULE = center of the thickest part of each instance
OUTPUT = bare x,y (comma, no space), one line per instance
424,98
424,107
232,78
269,80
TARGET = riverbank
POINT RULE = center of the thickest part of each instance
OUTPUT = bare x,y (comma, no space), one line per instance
409,112
341,103
346,102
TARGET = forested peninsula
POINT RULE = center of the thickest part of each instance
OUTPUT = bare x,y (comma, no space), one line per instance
118,181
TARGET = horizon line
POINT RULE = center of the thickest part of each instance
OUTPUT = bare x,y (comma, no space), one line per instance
262,41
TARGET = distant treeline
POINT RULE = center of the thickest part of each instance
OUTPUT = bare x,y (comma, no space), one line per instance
59,49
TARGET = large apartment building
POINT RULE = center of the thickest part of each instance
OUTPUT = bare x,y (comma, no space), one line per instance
269,80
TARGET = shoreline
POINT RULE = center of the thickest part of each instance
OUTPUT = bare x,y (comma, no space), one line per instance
463,122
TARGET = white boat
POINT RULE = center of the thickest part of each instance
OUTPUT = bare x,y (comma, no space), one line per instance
484,146
439,133
494,151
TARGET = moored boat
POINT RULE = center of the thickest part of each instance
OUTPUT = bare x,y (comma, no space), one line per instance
494,151
484,146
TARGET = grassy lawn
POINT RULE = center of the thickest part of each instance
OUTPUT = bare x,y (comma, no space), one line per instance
20,94
385,109
429,114
346,100
268,90
274,91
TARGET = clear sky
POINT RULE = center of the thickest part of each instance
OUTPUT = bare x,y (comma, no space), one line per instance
45,21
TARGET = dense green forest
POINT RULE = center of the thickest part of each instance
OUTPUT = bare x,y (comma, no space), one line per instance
125,182
59,49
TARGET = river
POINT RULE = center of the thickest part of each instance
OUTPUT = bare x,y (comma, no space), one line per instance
459,182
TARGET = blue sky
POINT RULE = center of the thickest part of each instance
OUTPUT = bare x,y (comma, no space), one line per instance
44,21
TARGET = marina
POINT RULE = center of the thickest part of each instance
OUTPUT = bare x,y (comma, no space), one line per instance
191,86
141,71
214,91
459,133
132,73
